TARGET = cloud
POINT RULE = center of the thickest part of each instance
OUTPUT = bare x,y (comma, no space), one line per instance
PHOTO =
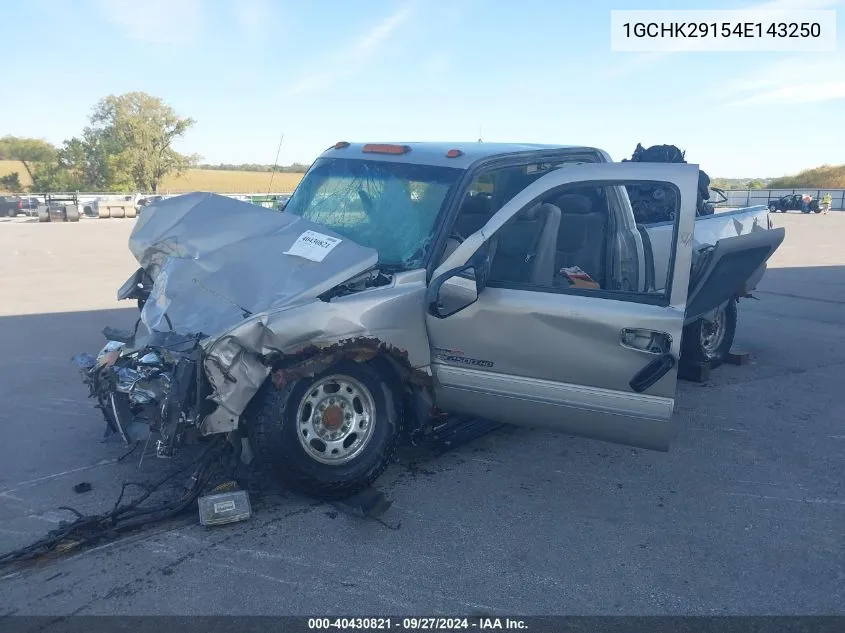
254,16
644,60
790,81
790,5
351,59
155,21
437,65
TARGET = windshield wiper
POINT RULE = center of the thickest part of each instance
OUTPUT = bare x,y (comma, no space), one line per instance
391,268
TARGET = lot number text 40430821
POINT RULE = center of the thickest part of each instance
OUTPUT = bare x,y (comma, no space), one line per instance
418,624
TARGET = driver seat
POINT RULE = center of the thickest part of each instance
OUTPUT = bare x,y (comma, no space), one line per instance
525,249
582,241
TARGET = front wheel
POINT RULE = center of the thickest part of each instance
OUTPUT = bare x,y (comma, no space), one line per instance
710,341
329,436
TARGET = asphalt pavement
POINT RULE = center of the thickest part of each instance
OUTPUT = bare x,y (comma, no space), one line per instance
744,515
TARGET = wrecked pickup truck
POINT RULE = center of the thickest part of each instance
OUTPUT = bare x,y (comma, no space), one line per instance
407,285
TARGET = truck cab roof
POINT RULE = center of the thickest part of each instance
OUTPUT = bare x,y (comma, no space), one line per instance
461,155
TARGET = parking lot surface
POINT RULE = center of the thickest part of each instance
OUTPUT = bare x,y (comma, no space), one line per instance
744,515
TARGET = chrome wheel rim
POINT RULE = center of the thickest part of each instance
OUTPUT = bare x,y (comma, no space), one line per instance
713,333
335,420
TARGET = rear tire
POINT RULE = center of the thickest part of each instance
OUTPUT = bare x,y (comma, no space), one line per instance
710,343
348,404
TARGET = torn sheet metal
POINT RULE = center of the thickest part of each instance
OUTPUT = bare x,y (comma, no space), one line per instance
239,360
253,283
214,260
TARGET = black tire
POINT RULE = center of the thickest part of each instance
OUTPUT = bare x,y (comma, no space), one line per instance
694,350
280,455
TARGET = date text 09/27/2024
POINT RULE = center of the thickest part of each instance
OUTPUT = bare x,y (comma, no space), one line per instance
724,29
416,624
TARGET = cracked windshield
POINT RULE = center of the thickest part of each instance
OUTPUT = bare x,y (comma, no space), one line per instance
388,206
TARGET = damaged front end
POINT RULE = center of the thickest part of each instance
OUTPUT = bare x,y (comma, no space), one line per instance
227,305
157,388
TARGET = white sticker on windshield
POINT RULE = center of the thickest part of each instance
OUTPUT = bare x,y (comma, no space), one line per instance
312,245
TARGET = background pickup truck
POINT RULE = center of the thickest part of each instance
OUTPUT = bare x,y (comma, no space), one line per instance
793,202
10,206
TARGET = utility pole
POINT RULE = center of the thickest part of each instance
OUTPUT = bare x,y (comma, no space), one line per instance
275,164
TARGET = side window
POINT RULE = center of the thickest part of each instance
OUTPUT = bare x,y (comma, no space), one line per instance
573,240
491,190
475,210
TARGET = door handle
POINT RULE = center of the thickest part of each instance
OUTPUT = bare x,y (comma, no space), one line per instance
649,341
652,372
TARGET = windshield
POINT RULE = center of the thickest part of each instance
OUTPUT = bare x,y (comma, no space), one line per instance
390,207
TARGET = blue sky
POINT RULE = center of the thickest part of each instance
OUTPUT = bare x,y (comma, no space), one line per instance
358,70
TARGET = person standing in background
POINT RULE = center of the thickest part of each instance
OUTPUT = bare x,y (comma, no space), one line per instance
827,200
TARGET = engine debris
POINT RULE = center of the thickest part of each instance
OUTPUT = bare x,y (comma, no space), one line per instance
86,531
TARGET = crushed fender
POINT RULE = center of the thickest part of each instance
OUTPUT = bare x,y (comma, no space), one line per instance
314,359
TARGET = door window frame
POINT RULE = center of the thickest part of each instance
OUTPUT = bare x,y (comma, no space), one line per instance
585,155
662,299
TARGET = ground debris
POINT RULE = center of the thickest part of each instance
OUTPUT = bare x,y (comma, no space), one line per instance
208,468
367,504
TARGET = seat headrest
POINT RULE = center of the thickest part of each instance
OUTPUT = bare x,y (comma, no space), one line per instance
511,183
537,210
574,203
476,204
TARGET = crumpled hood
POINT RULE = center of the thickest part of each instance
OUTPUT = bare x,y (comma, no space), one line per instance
212,258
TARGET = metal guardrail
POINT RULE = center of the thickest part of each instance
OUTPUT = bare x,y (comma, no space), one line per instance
110,204
752,197
137,194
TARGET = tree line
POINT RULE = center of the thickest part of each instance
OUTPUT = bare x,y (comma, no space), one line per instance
126,146
295,168
824,177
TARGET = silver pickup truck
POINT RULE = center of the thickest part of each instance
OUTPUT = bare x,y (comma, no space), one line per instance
407,285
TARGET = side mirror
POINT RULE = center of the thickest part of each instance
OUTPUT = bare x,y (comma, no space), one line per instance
452,291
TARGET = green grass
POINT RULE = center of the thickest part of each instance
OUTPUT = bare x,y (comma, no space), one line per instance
199,180
824,177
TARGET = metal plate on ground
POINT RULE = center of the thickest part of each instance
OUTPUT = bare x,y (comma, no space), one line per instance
224,507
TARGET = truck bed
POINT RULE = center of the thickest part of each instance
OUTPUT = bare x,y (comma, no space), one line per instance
709,229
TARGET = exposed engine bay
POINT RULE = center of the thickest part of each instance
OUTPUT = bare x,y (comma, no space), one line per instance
157,385
660,204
